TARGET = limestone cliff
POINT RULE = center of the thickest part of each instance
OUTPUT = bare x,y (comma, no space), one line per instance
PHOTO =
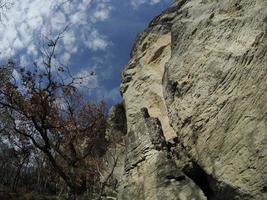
195,99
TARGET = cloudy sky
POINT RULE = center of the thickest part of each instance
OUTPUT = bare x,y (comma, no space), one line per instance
99,37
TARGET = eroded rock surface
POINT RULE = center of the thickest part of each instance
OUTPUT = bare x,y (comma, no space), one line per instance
216,90
200,70
150,172
142,78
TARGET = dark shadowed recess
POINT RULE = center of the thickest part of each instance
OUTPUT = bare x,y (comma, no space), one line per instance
212,188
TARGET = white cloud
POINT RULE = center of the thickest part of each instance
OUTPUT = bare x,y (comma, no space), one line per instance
96,41
101,13
58,21
78,18
17,44
65,58
31,49
69,42
88,79
23,60
137,3
27,20
113,95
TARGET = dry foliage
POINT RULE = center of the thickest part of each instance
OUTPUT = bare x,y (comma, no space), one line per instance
45,111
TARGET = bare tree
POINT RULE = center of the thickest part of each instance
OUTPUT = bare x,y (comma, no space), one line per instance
47,111
107,173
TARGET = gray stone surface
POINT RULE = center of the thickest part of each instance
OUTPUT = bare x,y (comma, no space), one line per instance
200,69
142,78
216,90
113,172
150,172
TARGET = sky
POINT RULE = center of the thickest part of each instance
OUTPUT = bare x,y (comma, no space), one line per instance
99,36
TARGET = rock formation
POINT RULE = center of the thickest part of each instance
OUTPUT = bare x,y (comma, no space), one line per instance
195,99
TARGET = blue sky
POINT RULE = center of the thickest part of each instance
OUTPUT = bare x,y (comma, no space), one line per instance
99,37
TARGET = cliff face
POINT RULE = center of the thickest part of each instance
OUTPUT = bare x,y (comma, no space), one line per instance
215,90
195,99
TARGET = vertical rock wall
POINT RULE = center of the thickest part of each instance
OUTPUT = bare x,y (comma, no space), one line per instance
200,72
142,78
150,172
216,90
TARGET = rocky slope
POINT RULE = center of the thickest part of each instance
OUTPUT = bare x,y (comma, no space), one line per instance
195,100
